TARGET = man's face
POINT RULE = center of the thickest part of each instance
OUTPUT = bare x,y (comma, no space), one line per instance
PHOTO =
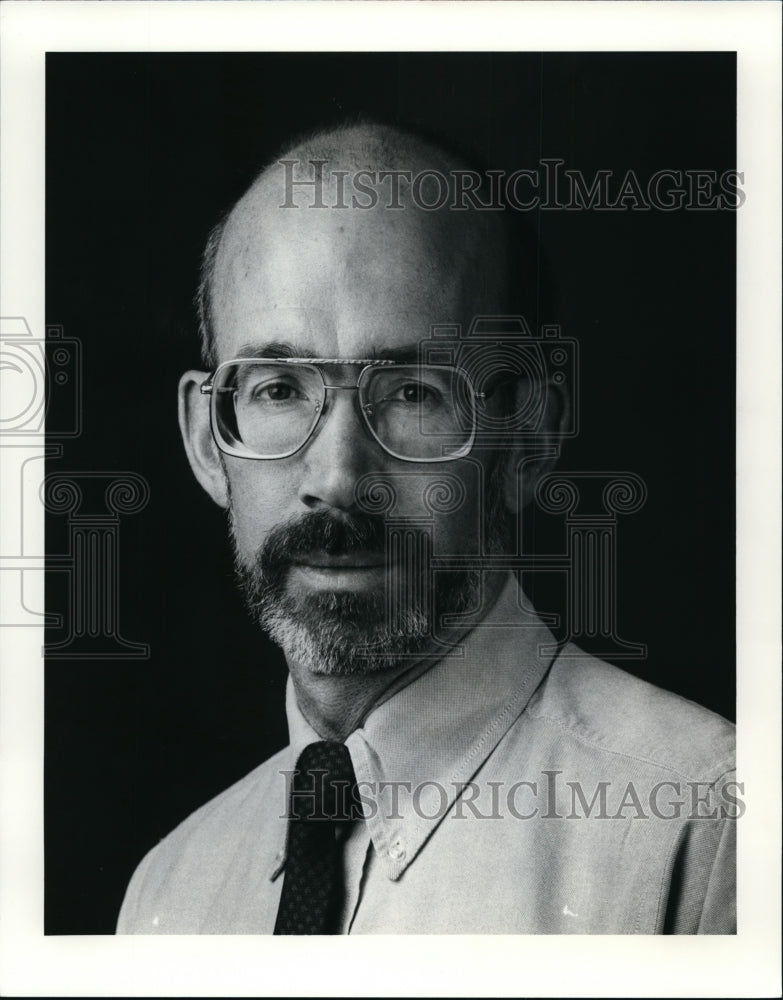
344,284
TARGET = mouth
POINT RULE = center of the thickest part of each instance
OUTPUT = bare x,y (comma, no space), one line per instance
353,571
351,560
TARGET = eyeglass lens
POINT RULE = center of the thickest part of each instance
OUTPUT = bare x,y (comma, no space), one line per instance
415,412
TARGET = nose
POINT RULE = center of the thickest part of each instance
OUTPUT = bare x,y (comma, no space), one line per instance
338,455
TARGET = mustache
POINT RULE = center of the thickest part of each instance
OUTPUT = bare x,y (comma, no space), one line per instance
321,532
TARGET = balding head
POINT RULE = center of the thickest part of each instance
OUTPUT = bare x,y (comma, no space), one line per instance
364,277
373,240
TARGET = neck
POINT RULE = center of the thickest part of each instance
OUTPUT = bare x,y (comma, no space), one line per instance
336,705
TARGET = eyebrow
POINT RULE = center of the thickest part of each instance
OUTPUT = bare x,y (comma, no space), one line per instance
283,349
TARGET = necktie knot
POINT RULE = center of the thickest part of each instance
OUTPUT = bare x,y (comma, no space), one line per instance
324,784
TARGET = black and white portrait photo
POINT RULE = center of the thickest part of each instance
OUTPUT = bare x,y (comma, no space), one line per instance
383,405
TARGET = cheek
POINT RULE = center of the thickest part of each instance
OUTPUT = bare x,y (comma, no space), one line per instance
458,532
449,499
262,497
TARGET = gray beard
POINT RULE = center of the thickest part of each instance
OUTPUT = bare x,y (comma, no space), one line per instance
344,633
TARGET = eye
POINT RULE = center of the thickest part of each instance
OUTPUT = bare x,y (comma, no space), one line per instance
276,391
415,392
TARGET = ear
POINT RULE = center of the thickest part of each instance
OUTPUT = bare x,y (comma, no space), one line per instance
200,446
536,452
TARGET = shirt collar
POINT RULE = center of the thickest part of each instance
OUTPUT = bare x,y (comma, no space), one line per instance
430,737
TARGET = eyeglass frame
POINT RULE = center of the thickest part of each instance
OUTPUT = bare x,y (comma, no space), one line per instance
368,364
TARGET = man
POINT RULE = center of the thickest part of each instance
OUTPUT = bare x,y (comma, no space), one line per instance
450,769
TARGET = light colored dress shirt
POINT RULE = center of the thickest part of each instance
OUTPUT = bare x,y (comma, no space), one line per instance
527,790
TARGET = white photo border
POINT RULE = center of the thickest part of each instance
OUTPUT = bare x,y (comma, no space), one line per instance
748,964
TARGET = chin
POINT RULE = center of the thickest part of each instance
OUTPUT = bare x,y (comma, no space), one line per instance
341,633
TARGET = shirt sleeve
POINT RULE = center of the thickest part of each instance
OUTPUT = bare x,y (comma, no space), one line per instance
719,912
702,893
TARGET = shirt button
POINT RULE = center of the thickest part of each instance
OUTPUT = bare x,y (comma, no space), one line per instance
397,852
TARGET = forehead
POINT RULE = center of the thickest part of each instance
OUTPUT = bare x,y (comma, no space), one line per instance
336,282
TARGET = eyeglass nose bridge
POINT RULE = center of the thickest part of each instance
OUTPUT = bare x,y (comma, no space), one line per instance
366,408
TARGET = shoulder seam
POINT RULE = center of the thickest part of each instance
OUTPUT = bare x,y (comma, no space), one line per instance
588,659
727,764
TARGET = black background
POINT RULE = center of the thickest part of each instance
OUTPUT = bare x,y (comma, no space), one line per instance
142,154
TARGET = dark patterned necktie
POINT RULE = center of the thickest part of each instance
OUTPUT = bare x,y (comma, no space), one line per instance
323,800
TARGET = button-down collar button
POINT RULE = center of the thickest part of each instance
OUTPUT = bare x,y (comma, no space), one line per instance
397,851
